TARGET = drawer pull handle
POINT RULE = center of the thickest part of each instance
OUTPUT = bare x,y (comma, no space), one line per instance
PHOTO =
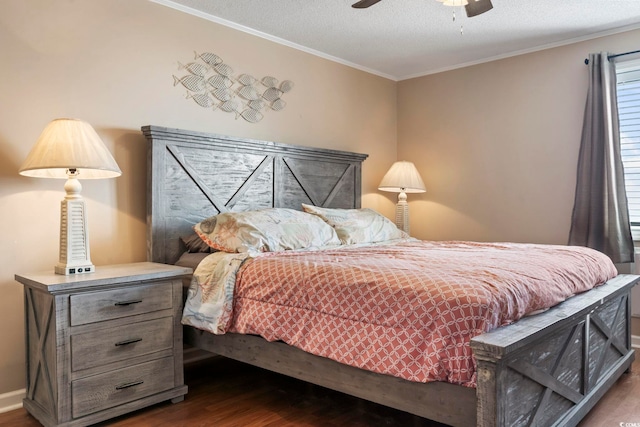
127,385
122,303
125,342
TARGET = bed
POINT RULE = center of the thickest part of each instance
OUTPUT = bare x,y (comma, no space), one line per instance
546,369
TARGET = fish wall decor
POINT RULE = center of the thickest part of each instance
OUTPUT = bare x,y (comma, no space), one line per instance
210,83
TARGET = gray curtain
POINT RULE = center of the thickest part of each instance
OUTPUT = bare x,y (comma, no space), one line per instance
600,215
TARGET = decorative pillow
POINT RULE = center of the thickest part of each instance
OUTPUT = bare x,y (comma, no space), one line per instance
266,230
358,225
195,244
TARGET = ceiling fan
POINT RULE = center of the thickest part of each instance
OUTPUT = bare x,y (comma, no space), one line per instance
472,7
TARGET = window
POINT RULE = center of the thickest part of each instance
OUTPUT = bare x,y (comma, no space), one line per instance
628,75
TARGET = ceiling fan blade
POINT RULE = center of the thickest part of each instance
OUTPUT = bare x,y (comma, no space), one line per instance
364,4
476,7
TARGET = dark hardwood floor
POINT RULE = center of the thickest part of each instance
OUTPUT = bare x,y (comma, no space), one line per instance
225,393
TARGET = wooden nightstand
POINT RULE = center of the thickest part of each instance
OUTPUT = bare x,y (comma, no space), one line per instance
102,344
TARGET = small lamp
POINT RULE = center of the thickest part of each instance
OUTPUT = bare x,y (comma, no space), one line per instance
403,177
71,149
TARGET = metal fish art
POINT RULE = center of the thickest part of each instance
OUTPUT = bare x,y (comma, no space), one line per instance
270,81
229,106
191,82
246,80
249,93
202,99
223,94
256,104
224,70
278,105
210,83
220,82
209,58
251,115
286,86
194,68
271,94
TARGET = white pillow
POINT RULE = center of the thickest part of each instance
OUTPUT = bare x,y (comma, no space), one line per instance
265,230
358,225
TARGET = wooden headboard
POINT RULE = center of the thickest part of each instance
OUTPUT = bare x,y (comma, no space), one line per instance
195,175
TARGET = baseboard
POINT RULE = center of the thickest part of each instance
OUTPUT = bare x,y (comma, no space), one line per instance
635,341
12,400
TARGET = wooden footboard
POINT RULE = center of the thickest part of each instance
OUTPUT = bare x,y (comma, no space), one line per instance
551,369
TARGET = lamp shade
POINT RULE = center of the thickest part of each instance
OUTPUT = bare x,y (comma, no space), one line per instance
402,177
70,144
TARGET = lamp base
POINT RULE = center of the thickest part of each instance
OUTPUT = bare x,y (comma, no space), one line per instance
75,256
402,213
402,217
76,269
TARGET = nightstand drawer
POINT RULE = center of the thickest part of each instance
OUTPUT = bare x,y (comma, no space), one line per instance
101,347
105,305
93,394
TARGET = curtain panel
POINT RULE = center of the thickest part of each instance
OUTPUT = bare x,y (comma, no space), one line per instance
600,217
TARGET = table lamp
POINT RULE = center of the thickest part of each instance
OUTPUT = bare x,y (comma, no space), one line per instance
71,149
402,178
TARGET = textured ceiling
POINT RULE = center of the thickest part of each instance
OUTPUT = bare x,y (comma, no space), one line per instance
400,39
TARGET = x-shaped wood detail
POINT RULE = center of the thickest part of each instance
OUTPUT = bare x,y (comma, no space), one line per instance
544,399
612,340
220,205
40,358
549,380
331,194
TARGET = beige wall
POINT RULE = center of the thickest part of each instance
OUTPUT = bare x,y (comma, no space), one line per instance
110,62
497,144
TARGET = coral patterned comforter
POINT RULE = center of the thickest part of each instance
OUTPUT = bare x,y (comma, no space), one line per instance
407,309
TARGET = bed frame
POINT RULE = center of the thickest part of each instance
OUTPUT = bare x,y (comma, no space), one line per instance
547,369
